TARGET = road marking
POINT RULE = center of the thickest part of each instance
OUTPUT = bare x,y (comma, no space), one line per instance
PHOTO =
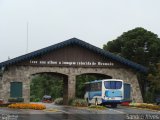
116,111
52,110
64,112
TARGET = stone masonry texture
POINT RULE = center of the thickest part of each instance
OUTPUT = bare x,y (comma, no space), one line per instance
24,74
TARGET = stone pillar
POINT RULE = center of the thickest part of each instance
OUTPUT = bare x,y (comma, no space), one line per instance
136,92
130,77
69,89
5,92
26,91
65,90
0,87
71,86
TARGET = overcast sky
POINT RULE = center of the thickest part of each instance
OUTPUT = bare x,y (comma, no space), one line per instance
53,21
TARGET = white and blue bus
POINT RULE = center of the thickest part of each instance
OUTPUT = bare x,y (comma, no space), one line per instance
107,92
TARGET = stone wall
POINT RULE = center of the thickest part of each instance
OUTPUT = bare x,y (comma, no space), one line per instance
0,87
24,73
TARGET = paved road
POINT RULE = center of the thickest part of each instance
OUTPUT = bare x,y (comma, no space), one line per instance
54,112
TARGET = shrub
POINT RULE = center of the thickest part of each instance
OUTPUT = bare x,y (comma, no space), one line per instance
145,105
27,106
78,102
36,100
58,101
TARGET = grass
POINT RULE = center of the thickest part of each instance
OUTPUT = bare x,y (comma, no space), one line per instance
145,105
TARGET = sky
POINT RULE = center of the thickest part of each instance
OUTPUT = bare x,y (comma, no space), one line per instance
54,21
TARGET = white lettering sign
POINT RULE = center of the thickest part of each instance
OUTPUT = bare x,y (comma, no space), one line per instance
87,63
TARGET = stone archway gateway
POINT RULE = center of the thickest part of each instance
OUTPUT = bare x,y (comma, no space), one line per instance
70,58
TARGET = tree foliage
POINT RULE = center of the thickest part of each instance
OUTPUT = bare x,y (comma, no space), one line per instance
154,84
140,46
45,84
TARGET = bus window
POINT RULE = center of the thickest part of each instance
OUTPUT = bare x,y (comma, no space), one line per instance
118,85
107,84
95,86
92,87
113,84
99,86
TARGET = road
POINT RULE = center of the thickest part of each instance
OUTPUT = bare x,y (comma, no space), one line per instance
54,112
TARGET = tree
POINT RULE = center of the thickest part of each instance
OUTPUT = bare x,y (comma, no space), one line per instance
80,86
46,84
154,86
140,46
136,45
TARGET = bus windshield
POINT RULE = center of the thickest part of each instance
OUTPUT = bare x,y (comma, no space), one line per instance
113,84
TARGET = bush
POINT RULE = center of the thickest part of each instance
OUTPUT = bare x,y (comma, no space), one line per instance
27,106
97,107
58,101
36,100
78,102
145,105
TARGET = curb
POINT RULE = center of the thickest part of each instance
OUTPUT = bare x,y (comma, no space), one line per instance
143,109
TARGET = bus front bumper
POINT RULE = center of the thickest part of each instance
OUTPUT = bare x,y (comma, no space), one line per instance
111,101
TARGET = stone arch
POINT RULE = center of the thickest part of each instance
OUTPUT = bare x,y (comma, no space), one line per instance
104,71
56,70
55,73
23,74
69,79
104,76
65,82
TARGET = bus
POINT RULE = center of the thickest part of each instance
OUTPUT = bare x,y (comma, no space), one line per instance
107,92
